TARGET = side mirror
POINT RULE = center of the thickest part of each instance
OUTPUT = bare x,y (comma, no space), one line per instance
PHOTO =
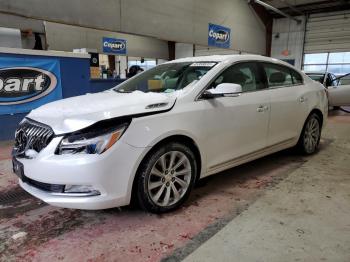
224,89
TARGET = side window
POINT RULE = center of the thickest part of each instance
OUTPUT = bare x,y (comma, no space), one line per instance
245,74
277,75
297,78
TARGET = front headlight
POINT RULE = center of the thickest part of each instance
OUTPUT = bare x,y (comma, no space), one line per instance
93,142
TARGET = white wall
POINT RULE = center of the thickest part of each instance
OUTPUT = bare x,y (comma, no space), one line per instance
161,61
10,37
123,66
287,34
183,50
187,21
22,23
183,21
102,14
67,37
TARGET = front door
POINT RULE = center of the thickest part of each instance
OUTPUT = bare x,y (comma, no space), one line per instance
239,124
339,95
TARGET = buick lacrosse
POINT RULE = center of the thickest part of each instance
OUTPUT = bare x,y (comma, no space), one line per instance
153,136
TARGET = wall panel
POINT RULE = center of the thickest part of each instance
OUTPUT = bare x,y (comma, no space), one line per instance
67,38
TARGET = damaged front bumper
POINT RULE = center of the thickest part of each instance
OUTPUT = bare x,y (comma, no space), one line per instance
82,181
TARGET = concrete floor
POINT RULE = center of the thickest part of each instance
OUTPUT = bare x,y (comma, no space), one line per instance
306,217
283,207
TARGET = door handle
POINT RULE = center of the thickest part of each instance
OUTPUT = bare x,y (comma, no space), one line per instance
302,99
260,109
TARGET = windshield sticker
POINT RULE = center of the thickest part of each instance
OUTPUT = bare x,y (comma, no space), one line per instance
169,90
203,64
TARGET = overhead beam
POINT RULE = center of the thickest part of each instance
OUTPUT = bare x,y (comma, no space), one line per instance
292,7
319,7
274,9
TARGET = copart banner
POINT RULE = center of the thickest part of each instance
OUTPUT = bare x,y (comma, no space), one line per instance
27,83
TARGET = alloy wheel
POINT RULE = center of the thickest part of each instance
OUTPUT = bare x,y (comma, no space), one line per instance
169,178
311,135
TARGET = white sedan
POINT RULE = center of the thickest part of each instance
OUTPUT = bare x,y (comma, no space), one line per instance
152,137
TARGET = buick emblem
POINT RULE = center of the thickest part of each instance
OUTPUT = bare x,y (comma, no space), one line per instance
21,141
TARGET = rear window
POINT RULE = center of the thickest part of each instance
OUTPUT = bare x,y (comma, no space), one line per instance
296,77
277,75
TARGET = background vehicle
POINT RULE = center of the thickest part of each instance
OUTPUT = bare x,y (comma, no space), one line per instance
338,88
157,133
339,95
325,78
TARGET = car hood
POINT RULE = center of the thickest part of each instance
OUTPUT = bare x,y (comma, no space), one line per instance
72,114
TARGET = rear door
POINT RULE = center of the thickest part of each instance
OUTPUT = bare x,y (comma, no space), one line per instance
339,95
288,103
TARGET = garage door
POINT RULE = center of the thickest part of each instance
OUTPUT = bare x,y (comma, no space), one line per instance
328,32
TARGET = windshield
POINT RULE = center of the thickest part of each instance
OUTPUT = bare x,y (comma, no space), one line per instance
317,77
166,78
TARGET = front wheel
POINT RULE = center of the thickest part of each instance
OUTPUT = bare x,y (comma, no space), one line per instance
166,178
310,135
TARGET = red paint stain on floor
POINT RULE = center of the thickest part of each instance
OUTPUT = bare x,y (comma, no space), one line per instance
5,151
131,235
56,234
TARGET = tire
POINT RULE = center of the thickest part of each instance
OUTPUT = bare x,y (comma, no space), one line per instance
166,178
310,135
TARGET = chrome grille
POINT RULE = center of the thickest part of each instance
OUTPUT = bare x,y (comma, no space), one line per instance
31,135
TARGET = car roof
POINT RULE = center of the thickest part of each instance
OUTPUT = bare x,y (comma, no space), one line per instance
316,72
228,58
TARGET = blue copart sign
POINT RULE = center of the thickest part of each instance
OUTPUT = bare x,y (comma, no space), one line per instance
114,46
219,36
